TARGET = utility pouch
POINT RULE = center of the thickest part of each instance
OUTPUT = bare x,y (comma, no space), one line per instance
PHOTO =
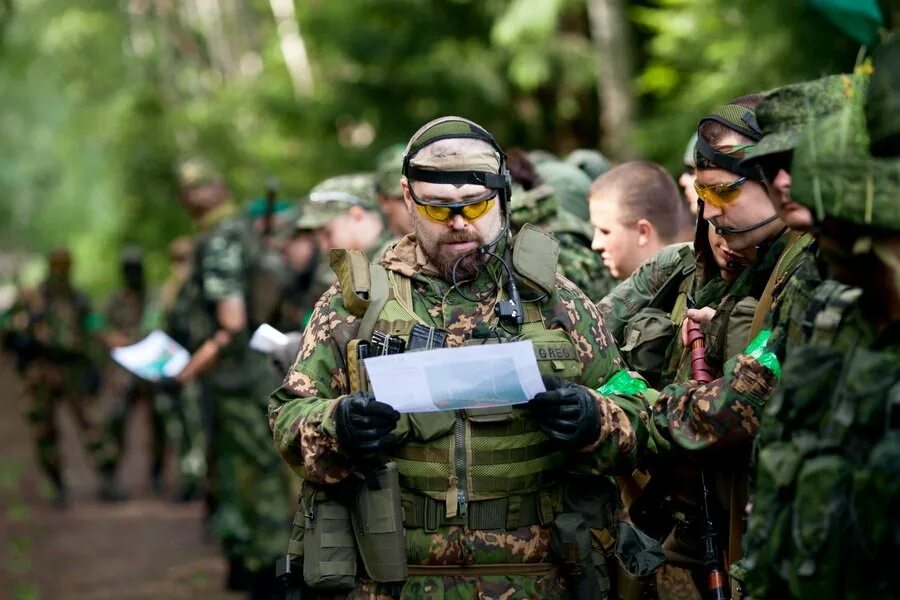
378,526
639,557
570,543
357,352
646,338
329,550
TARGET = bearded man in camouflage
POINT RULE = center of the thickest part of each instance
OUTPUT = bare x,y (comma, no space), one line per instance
480,488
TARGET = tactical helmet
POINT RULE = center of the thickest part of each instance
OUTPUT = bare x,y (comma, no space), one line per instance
591,162
570,187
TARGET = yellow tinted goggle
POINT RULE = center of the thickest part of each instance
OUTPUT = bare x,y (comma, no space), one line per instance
720,194
442,213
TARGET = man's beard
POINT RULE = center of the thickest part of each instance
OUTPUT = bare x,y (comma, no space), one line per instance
444,260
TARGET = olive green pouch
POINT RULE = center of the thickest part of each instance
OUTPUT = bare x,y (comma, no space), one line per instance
647,336
555,353
329,550
535,256
378,526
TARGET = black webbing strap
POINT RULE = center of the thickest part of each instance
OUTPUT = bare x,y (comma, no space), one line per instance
489,180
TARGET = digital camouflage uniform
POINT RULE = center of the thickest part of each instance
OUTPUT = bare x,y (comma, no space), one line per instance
302,419
551,206
183,319
724,414
54,326
822,522
251,490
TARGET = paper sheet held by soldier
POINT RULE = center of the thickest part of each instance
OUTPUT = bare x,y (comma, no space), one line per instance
155,356
456,378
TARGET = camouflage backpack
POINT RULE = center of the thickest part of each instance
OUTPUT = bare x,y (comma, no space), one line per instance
828,468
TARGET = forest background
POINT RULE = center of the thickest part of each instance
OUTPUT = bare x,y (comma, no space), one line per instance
100,98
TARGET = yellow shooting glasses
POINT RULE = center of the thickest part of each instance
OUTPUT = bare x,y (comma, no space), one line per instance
721,194
441,211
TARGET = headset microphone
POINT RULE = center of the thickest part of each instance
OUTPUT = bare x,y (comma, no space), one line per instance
733,230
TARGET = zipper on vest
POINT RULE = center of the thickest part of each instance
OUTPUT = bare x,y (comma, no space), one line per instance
459,458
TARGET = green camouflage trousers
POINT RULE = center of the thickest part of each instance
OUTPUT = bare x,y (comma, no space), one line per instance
250,483
50,386
128,391
180,415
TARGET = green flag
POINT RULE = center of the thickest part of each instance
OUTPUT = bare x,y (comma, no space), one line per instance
860,19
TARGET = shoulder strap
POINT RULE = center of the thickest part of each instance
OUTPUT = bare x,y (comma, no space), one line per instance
378,297
830,304
663,295
782,271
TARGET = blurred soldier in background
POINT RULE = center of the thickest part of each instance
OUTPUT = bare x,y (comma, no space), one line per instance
592,163
251,491
181,408
390,196
127,318
52,328
635,209
549,196
689,175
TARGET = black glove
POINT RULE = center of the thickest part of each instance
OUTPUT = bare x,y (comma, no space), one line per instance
364,424
567,414
168,385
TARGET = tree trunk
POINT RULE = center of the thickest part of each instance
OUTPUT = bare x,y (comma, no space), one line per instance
292,47
615,72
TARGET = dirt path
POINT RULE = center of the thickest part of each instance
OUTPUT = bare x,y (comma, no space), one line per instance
146,548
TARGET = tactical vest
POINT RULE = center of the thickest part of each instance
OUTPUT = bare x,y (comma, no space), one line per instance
485,469
482,468
828,469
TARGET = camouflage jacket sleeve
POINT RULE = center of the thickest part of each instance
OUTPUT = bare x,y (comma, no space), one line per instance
728,410
301,411
638,290
618,439
223,262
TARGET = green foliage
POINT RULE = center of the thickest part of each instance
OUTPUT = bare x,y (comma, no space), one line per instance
102,98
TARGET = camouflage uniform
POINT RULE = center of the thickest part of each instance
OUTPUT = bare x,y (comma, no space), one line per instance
550,207
181,410
725,413
821,523
251,491
125,314
327,201
301,415
54,326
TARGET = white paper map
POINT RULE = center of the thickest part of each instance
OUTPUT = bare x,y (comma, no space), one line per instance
267,339
456,378
155,356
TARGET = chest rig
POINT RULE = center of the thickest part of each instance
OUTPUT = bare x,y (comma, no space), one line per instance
828,468
486,468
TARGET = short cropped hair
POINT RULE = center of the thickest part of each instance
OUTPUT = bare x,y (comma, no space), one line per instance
645,190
